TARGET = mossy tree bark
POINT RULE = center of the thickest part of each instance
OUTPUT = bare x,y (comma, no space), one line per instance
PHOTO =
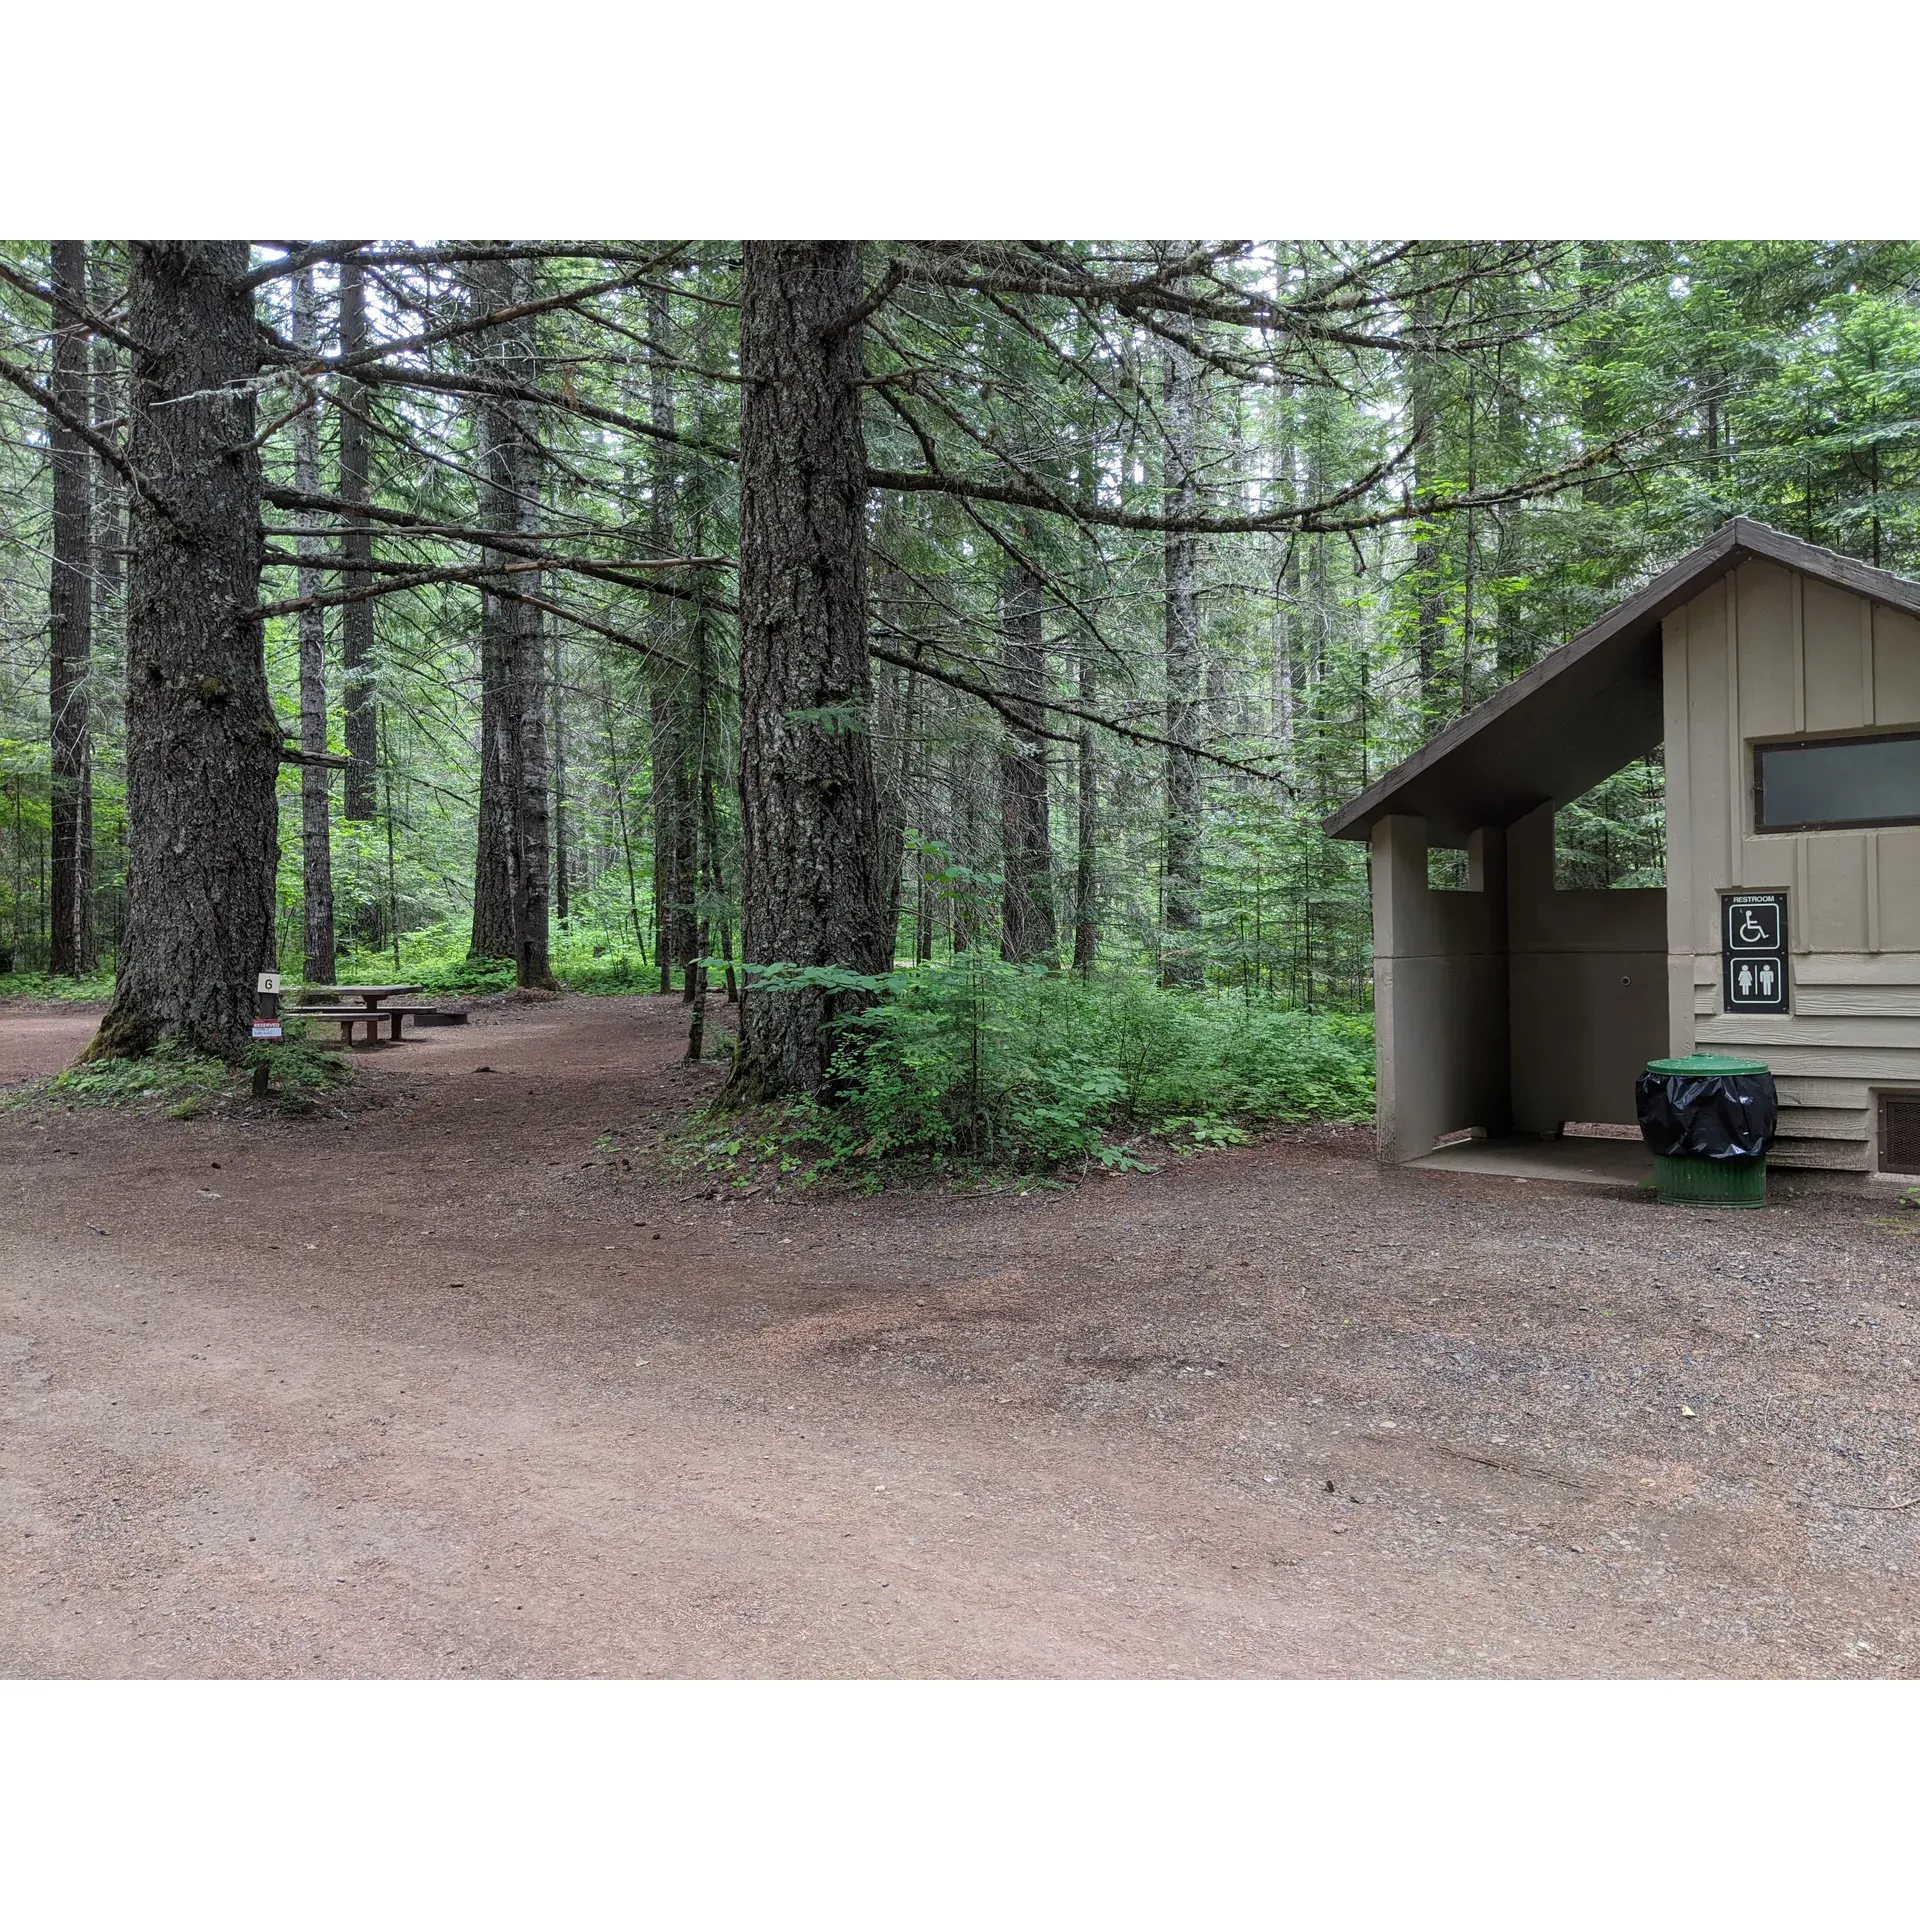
814,889
203,745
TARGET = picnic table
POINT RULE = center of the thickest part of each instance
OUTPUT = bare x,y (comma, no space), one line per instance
372,1009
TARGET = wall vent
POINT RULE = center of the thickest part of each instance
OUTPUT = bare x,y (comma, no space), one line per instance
1900,1133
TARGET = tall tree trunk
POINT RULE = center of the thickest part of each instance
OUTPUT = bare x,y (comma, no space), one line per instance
712,766
203,746
704,853
1086,876
674,882
908,817
316,850
686,844
692,704
665,752
1287,665
617,782
1320,608
968,779
1423,426
495,879
717,882
1290,651
1508,642
534,904
813,889
895,692
109,528
1181,963
1086,864
356,554
109,503
1707,379
1469,544
562,891
930,831
71,650
1027,927
513,865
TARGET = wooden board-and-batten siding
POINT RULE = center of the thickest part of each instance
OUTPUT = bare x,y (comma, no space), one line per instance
1767,653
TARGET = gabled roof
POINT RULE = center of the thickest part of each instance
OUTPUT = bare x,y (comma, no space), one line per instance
1589,707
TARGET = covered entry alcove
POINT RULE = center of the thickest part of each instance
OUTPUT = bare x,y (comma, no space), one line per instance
1773,671
1512,1006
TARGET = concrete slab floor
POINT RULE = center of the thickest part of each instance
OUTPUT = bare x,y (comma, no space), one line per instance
1599,1163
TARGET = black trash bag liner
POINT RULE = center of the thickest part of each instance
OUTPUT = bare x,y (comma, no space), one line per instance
1714,1116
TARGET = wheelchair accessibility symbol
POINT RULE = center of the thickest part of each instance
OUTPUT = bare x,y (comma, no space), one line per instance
1753,923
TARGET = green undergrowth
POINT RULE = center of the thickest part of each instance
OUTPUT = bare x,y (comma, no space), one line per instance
976,1069
437,959
184,1085
54,986
438,972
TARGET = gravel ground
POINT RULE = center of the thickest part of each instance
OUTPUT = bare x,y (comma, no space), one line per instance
441,1387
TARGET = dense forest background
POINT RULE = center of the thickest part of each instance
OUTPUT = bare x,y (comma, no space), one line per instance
1170,549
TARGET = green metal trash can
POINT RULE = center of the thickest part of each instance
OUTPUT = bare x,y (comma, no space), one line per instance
1709,1118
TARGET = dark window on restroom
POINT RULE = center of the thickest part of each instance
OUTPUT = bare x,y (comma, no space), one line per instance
1804,785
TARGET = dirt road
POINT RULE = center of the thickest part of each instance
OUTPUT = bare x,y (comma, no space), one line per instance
441,1389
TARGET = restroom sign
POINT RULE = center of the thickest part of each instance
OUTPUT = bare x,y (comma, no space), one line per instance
1753,952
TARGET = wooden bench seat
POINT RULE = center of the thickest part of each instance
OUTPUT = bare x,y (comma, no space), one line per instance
348,1017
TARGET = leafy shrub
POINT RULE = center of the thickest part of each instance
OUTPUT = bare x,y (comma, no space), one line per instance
300,1065
980,1059
172,1074
1193,1054
620,970
183,1085
974,1061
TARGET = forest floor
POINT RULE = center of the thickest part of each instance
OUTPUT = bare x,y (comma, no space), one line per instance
440,1386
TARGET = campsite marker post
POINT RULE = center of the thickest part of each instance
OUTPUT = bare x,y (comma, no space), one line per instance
266,1024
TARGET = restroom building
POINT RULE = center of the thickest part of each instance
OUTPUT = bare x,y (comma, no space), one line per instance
1784,682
